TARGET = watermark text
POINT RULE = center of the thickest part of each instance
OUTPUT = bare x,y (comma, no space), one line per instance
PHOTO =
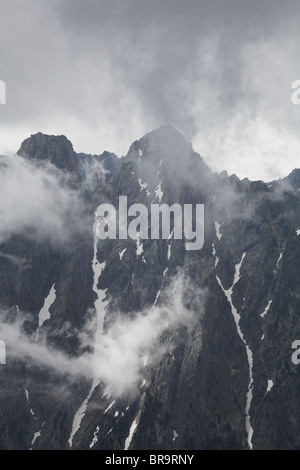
2,92
2,353
295,97
163,222
296,354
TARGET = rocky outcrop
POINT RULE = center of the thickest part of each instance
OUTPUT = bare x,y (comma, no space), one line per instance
58,150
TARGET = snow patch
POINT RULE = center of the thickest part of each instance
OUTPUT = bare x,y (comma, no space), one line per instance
109,407
175,435
170,245
100,306
81,412
17,316
236,316
28,401
215,255
298,232
266,310
217,227
237,274
131,433
270,385
156,298
142,185
108,432
44,313
279,259
121,253
95,438
35,436
158,192
169,251
139,245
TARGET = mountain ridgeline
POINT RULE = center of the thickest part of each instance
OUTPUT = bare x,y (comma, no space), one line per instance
142,344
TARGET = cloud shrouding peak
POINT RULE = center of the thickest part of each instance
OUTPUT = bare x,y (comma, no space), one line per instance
36,202
105,73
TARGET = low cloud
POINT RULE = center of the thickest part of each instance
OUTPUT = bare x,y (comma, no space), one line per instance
122,352
105,73
37,202
92,172
130,343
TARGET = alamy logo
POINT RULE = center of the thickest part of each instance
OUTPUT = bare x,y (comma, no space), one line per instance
2,353
295,356
175,222
2,92
295,97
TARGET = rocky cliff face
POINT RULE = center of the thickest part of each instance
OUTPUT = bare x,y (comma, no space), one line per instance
58,150
140,343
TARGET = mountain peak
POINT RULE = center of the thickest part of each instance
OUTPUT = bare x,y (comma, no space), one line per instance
56,149
164,143
167,131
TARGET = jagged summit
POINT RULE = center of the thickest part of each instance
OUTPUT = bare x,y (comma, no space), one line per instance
167,132
163,143
294,178
111,163
56,149
165,154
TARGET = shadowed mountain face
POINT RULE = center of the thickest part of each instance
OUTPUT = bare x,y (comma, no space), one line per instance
58,150
141,343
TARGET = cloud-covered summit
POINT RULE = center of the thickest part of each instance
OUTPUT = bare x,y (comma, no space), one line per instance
104,73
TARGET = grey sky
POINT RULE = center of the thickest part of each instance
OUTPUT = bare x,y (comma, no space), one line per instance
106,72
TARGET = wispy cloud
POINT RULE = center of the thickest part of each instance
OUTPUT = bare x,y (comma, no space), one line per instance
105,73
119,355
37,202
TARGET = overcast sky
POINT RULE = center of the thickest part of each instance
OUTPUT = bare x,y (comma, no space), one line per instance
105,72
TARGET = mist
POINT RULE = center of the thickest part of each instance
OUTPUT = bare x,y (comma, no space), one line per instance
123,352
105,73
36,202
